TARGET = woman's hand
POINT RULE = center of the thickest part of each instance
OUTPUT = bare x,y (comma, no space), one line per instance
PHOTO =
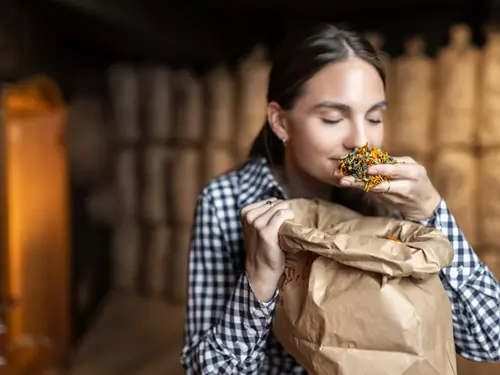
409,190
265,261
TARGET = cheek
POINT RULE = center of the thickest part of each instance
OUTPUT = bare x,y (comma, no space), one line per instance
376,135
313,138
313,147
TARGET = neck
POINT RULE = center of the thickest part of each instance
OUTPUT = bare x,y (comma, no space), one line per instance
298,184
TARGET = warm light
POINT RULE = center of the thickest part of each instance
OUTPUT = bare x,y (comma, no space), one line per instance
34,116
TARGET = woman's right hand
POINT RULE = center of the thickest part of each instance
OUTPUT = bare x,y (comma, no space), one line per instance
265,261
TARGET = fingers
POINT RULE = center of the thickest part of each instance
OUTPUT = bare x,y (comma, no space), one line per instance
278,218
277,221
407,171
263,220
349,181
405,159
383,188
394,190
259,214
400,188
254,210
257,204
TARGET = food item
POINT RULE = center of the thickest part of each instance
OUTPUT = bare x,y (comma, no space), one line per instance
392,238
356,164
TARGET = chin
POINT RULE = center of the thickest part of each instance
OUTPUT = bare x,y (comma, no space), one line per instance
328,179
328,173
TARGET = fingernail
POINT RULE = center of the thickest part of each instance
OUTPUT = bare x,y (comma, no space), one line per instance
372,170
345,183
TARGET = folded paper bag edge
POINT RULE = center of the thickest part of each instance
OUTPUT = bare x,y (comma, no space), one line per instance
420,261
298,238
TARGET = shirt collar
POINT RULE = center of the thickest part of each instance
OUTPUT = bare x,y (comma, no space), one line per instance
257,183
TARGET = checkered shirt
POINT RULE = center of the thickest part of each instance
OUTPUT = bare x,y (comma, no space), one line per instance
227,330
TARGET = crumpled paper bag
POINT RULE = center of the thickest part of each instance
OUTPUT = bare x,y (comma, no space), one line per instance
353,302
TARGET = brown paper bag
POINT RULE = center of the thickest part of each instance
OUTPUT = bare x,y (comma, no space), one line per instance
353,302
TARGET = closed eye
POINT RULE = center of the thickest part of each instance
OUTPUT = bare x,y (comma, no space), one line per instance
374,122
330,122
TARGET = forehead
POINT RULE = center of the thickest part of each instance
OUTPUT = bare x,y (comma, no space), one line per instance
353,82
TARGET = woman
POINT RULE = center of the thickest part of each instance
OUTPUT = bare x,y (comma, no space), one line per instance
325,97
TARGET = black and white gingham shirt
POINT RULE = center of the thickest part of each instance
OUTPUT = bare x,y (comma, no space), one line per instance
228,329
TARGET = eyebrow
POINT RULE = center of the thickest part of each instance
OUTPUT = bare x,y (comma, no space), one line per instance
345,108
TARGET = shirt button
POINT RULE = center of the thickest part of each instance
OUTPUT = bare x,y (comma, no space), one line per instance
243,347
257,313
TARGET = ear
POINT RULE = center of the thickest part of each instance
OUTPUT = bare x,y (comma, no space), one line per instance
277,121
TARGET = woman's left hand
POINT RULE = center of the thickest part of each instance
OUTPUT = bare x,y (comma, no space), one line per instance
408,191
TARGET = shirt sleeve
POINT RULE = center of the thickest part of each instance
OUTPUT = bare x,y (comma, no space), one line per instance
474,294
226,326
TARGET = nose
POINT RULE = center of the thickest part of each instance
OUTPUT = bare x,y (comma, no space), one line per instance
357,136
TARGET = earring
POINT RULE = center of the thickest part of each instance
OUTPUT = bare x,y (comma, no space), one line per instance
284,142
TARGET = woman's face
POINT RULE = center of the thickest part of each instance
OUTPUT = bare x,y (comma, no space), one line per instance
340,109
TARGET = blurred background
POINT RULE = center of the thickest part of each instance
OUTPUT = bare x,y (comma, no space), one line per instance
115,114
